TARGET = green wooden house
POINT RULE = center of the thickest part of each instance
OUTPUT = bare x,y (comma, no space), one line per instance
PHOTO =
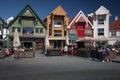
30,27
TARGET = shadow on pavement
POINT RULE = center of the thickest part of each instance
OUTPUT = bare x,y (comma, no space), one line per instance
115,61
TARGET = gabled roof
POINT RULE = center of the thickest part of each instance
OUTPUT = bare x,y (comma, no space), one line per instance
59,11
80,16
102,10
28,7
115,25
3,23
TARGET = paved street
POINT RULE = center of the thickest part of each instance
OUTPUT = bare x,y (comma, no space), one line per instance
58,68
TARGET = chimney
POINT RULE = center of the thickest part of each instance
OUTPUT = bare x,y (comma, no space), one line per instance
116,18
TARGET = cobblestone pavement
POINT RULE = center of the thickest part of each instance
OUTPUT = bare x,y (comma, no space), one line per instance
58,68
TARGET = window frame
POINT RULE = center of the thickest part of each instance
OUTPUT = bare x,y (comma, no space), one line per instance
57,23
41,30
100,31
57,34
113,33
28,32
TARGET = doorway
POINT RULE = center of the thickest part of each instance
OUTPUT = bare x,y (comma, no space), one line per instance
81,44
28,44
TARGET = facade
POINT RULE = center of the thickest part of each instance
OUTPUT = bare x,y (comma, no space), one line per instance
80,29
3,32
101,26
57,22
30,27
115,32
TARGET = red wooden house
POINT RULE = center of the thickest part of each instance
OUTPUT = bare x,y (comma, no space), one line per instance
82,28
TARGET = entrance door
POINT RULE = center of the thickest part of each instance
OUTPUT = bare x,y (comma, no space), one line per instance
28,44
80,44
39,45
59,43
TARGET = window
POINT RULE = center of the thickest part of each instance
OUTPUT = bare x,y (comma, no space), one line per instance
13,29
65,28
41,30
57,23
100,21
88,32
113,34
19,29
101,32
72,31
50,29
36,22
27,30
36,30
58,33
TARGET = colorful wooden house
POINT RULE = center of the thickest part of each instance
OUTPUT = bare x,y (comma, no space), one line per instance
80,30
115,32
101,26
3,33
57,22
30,27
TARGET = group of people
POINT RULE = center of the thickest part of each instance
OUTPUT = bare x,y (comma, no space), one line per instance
67,50
8,51
105,53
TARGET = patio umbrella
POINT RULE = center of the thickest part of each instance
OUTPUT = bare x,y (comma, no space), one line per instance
16,40
67,40
47,42
85,39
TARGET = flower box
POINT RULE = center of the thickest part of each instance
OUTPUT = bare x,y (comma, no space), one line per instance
29,54
113,55
18,54
2,55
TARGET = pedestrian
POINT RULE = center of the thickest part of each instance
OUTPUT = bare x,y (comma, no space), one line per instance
106,53
66,49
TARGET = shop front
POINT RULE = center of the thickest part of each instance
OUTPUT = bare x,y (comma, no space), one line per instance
57,44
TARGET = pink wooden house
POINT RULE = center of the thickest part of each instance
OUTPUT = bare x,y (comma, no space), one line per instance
80,30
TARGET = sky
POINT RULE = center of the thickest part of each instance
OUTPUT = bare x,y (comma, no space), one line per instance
10,8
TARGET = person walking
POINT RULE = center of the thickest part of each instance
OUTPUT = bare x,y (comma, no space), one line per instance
66,50
106,53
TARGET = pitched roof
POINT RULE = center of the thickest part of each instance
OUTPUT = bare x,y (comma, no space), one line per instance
79,17
2,21
4,24
59,10
28,7
102,10
115,25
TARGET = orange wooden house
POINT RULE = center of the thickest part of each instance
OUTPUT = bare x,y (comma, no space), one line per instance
57,22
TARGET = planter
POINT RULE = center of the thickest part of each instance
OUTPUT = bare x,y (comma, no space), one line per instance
29,54
18,54
113,55
2,54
